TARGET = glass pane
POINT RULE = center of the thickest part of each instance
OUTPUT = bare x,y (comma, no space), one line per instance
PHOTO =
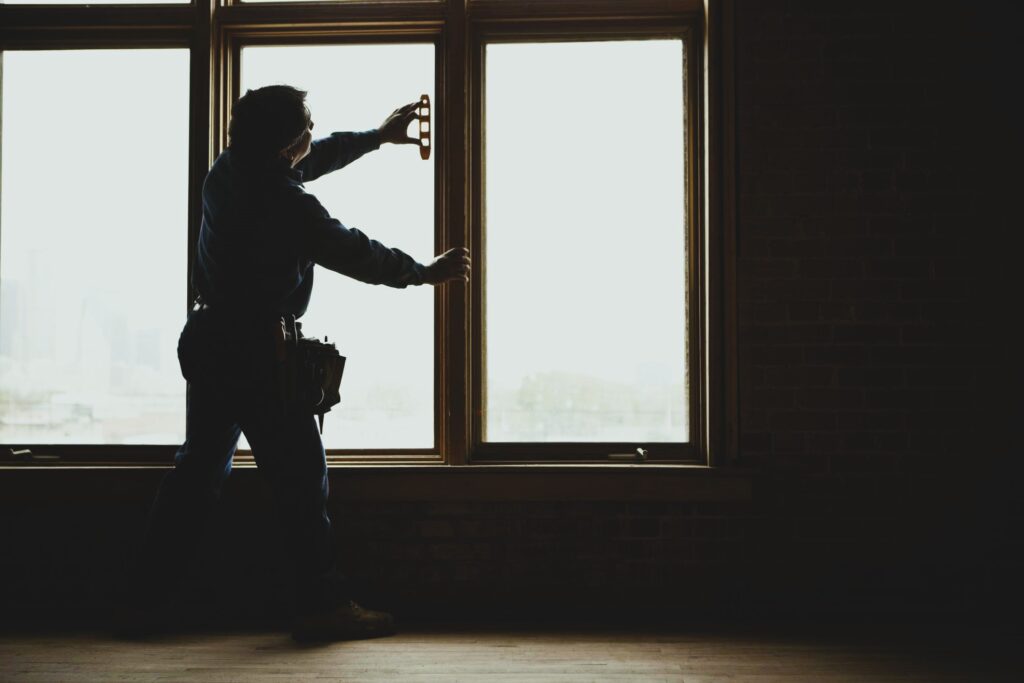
93,246
585,243
387,395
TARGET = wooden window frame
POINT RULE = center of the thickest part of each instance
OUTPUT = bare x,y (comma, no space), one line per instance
55,27
573,29
234,40
214,33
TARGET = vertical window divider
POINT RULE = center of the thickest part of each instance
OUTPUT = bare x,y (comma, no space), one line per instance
456,320
717,159
203,128
474,184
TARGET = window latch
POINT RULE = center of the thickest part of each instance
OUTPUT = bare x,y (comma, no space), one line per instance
26,455
639,455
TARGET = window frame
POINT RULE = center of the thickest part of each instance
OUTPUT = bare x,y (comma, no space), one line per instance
234,41
215,31
573,29
58,27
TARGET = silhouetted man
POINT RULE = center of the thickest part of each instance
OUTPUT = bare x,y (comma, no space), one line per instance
261,235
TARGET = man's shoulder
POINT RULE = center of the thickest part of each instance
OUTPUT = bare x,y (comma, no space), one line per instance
228,169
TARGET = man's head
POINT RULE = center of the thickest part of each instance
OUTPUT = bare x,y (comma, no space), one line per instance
271,122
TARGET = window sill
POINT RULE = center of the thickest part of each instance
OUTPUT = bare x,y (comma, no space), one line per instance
518,482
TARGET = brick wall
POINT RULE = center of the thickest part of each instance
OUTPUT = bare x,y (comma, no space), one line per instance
874,301
518,557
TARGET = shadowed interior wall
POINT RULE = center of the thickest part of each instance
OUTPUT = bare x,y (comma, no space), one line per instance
876,360
874,302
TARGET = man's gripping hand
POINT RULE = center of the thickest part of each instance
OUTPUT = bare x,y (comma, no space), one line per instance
453,264
395,127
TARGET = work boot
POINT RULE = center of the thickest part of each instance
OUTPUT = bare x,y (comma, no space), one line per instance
348,621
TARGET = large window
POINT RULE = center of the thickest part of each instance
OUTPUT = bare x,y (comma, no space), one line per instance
93,246
585,234
570,147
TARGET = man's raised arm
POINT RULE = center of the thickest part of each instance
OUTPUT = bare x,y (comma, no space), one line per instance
341,149
337,151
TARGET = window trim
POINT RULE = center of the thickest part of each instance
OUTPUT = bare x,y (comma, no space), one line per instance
205,27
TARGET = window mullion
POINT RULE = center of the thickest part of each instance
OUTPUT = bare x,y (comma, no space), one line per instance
202,128
454,321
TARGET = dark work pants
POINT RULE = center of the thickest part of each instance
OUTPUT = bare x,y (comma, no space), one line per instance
231,390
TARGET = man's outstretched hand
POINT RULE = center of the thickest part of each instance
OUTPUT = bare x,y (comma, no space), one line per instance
453,264
395,127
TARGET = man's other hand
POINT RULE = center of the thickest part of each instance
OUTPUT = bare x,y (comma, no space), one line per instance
395,127
453,264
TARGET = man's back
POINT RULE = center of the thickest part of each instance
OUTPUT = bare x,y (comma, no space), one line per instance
248,259
262,233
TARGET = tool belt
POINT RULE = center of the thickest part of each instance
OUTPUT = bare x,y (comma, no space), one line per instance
308,371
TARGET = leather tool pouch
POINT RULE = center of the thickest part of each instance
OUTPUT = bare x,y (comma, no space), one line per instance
308,372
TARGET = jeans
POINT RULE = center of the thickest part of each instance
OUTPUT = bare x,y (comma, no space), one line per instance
229,367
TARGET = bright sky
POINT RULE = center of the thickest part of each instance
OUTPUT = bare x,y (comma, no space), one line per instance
93,244
585,239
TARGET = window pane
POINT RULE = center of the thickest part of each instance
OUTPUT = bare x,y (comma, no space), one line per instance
93,246
585,243
387,395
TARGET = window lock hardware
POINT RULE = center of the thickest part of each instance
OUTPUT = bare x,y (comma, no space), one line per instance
26,455
423,114
640,455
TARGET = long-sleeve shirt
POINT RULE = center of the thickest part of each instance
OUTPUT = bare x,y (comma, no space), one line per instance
262,233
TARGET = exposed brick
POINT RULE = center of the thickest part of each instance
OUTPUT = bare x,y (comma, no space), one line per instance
755,442
804,420
870,334
788,443
840,399
859,245
943,376
873,421
870,377
899,268
865,291
645,528
888,311
933,334
806,375
901,225
434,528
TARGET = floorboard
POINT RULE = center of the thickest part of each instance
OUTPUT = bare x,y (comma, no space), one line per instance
762,655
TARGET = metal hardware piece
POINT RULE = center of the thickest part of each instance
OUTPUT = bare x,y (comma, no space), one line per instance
424,116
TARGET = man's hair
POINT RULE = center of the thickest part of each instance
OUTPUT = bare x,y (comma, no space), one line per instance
267,120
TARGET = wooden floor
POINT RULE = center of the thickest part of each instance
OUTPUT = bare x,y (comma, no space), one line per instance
760,655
